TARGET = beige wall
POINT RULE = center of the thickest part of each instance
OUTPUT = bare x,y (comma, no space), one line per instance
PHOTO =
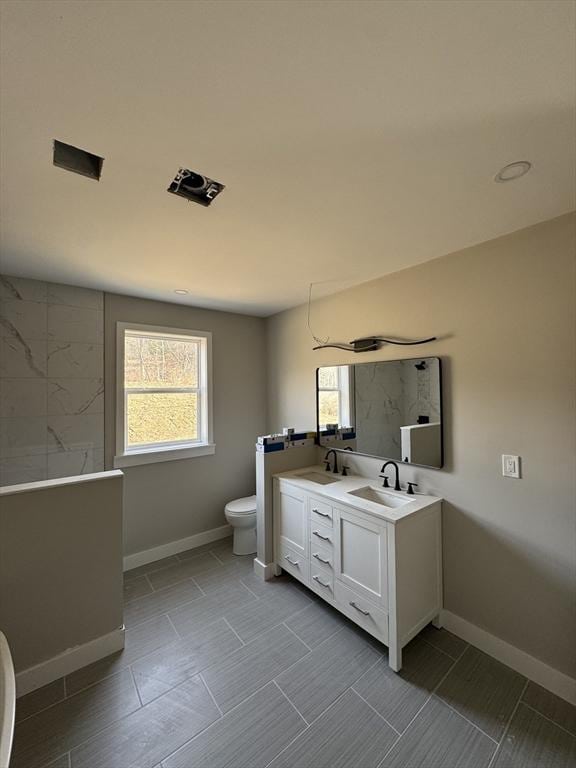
504,315
60,564
171,500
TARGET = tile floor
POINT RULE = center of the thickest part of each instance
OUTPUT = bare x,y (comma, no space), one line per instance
221,669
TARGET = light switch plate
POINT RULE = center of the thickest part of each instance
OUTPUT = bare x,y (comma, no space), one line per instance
510,465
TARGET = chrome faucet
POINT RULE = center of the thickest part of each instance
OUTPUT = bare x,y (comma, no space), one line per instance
327,461
385,483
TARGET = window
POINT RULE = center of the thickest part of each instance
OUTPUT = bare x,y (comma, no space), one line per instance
164,394
334,395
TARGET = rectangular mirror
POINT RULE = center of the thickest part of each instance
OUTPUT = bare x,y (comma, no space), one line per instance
390,409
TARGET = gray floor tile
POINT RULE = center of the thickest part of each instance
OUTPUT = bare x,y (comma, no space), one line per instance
139,641
551,706
483,690
168,667
277,586
137,587
348,735
183,569
440,738
61,762
444,641
225,576
241,674
219,544
225,555
153,732
317,680
316,623
249,736
252,620
160,602
149,567
532,741
208,609
39,699
59,728
399,696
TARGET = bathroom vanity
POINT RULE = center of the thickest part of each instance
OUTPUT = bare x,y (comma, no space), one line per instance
372,553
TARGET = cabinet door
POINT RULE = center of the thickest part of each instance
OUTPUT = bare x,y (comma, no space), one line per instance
290,519
361,555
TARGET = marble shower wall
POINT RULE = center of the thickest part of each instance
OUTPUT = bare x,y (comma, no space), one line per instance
51,380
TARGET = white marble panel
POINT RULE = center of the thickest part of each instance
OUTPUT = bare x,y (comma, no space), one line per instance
75,433
24,319
25,469
75,396
22,397
75,324
20,358
24,436
72,463
22,288
75,361
75,297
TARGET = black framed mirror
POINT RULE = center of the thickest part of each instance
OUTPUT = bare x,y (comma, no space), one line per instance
390,409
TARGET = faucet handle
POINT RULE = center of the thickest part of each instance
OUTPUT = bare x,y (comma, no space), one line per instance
344,472
410,489
385,484
327,462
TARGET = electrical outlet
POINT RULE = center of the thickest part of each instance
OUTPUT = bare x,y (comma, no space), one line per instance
511,466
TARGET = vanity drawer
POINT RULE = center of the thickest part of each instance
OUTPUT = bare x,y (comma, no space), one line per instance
362,612
322,580
294,563
321,557
321,536
320,512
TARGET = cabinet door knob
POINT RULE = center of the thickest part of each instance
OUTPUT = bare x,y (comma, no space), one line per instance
292,562
316,578
322,514
317,556
324,538
364,613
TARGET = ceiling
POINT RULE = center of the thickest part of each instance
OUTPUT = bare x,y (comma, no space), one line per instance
354,139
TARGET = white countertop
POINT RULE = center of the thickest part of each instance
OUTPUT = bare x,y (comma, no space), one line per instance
339,492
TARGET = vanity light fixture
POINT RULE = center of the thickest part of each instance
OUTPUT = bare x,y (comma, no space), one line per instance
513,171
181,291
371,343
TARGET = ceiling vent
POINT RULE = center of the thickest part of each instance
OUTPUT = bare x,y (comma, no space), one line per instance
77,160
195,187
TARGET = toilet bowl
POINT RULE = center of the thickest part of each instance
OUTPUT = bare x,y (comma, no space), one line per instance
241,515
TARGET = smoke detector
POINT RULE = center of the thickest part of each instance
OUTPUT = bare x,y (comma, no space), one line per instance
195,187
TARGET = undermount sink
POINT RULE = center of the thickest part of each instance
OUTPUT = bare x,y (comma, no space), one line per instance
318,477
369,493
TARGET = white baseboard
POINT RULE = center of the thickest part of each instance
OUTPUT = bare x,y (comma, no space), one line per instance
69,661
175,547
265,572
534,669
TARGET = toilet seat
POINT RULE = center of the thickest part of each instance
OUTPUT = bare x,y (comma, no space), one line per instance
244,506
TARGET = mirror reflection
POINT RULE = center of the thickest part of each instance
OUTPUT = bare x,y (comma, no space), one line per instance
389,409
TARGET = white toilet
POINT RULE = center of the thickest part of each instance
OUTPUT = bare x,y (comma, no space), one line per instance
241,515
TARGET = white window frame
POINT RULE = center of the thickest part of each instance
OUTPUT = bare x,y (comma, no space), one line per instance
344,386
154,452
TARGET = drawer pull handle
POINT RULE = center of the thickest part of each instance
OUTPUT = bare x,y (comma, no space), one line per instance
316,578
322,514
364,613
324,538
317,556
292,562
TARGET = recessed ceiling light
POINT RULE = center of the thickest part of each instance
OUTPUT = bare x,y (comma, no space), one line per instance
181,291
513,171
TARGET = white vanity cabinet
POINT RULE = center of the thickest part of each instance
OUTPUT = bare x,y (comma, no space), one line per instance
385,575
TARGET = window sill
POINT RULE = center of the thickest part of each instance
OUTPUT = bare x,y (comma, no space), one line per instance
153,455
